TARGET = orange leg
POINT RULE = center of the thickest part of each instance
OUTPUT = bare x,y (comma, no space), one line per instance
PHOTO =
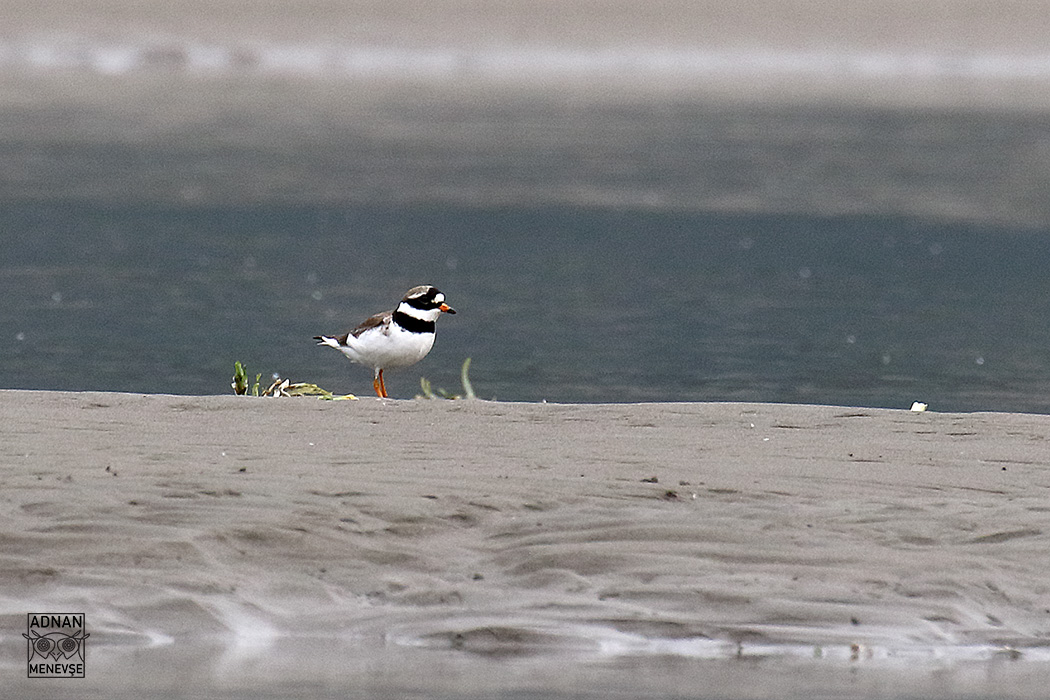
379,385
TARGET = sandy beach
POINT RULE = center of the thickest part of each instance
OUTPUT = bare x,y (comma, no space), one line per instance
938,24
734,550
943,54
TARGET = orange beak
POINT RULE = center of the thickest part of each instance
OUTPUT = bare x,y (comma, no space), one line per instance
447,309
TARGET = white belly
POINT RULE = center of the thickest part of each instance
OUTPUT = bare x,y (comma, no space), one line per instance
391,347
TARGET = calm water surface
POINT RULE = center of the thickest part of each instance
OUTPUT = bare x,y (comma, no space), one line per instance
559,303
596,251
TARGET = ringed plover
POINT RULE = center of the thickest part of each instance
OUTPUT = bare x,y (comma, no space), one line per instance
392,339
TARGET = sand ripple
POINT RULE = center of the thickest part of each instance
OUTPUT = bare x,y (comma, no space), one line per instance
512,531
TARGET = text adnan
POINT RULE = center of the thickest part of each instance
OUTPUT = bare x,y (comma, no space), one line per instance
56,621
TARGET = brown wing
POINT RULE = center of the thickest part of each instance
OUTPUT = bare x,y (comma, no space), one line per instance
381,319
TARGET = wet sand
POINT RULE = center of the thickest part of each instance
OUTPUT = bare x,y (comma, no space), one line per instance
235,546
885,53
1018,25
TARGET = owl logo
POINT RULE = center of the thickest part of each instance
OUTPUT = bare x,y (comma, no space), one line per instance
56,645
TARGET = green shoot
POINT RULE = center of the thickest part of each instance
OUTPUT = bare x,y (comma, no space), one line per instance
280,387
468,389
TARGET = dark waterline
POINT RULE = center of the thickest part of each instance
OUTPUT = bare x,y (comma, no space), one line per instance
556,303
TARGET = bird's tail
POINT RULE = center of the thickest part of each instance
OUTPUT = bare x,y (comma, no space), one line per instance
325,340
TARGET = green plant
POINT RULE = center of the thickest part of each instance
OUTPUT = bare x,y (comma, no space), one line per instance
240,381
280,387
464,375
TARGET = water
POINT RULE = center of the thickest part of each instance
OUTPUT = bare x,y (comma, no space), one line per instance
706,208
597,250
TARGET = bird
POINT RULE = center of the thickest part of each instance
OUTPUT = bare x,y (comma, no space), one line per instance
392,339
